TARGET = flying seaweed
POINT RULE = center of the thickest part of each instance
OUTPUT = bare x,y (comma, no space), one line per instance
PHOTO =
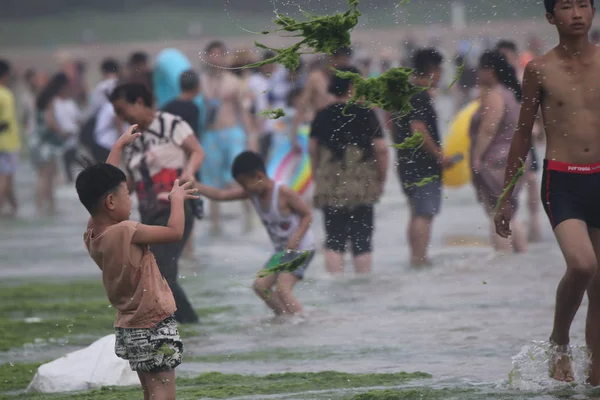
391,91
461,69
285,261
512,184
322,34
273,114
411,143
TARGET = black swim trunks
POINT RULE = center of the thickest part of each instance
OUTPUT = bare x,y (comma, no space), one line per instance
571,191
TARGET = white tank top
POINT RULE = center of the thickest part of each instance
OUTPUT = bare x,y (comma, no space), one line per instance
280,228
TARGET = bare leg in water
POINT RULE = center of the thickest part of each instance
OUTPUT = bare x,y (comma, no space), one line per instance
533,205
44,196
575,243
419,234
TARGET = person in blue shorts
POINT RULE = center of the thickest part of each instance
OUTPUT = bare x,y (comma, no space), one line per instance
228,127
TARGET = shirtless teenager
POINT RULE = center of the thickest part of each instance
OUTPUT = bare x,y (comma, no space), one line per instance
565,82
315,95
229,128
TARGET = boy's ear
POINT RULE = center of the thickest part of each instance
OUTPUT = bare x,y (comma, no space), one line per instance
550,19
109,201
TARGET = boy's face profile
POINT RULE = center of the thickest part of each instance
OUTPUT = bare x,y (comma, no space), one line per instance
118,203
572,17
255,183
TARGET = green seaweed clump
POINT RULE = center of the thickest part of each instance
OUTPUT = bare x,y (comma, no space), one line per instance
323,34
391,91
512,184
411,143
273,114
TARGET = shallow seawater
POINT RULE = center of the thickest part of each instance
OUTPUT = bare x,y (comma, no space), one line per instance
462,320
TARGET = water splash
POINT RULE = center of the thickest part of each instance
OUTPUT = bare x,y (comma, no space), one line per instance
530,368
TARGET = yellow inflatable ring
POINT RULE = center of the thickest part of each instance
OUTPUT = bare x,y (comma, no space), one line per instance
459,142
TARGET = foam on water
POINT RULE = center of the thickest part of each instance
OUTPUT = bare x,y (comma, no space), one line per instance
530,368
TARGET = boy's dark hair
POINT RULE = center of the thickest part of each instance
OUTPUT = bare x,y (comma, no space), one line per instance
343,51
426,59
4,68
130,92
340,86
109,66
96,182
189,81
216,44
293,95
550,4
507,45
248,163
138,57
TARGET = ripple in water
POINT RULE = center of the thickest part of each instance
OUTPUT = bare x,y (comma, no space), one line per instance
530,368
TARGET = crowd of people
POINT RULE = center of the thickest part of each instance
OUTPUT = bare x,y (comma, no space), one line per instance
218,148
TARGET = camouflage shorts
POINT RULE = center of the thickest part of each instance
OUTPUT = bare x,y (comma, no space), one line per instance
154,349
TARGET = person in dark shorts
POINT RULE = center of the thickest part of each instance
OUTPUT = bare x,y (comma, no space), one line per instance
349,158
426,162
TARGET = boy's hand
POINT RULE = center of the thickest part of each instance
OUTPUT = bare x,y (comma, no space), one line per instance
183,192
128,137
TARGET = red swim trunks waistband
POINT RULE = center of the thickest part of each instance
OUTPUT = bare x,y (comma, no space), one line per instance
572,168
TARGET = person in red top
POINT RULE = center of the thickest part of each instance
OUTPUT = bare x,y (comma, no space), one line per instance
146,331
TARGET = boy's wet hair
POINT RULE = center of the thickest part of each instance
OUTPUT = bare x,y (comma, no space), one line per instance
131,92
426,59
248,163
340,86
189,80
551,4
96,182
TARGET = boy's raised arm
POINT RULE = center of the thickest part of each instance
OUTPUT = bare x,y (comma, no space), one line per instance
173,232
221,194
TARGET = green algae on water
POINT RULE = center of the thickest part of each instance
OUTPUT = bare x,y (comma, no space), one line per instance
391,91
273,114
323,34
214,385
16,376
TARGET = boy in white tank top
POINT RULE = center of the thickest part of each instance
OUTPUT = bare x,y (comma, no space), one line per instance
287,220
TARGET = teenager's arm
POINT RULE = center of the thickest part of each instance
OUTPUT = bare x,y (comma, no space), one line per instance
221,194
493,104
429,145
521,141
297,205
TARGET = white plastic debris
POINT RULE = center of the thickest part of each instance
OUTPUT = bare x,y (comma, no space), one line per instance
89,368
